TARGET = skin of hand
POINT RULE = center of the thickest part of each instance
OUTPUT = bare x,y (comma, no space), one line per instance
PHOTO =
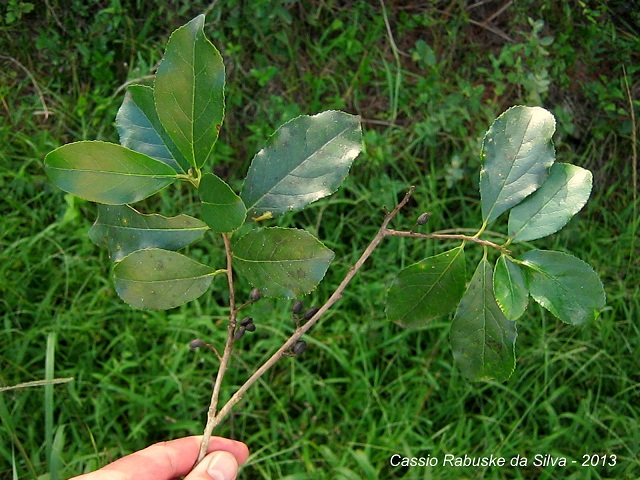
172,459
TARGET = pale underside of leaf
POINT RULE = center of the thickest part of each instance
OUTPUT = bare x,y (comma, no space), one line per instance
123,230
140,129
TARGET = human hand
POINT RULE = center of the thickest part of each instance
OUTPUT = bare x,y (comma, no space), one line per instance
172,459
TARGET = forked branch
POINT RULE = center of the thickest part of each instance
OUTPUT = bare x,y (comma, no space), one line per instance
226,356
213,418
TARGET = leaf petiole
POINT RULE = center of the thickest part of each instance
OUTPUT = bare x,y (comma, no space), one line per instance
193,176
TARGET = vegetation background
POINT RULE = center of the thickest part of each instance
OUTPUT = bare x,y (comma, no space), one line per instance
427,77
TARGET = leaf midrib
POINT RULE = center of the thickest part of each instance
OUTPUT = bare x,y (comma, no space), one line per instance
504,183
542,207
155,229
107,172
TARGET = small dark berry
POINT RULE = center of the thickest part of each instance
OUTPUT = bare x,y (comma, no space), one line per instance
299,347
196,343
239,333
297,308
424,218
255,295
246,321
310,313
250,327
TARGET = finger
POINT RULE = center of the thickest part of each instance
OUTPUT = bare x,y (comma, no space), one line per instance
218,465
165,460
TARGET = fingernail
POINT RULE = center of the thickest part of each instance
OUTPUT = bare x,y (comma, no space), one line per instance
222,466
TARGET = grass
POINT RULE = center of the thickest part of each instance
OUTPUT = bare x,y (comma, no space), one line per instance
365,388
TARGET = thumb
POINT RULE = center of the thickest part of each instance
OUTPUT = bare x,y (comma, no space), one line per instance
218,465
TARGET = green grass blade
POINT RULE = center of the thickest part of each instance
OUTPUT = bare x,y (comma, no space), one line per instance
49,406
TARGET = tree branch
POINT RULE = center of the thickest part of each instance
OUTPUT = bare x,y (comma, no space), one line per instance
214,418
448,236
337,294
226,355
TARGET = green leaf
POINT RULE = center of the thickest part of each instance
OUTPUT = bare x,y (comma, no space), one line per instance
123,230
222,209
564,285
156,279
282,262
549,209
510,288
106,173
427,289
517,152
483,340
189,91
140,129
305,160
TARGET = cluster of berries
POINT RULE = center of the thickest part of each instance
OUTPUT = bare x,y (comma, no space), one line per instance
299,347
247,325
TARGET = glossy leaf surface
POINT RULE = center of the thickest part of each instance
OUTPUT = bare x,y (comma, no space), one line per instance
306,159
510,288
517,152
189,91
222,209
482,338
282,262
549,209
427,289
564,285
140,129
123,230
156,279
106,173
